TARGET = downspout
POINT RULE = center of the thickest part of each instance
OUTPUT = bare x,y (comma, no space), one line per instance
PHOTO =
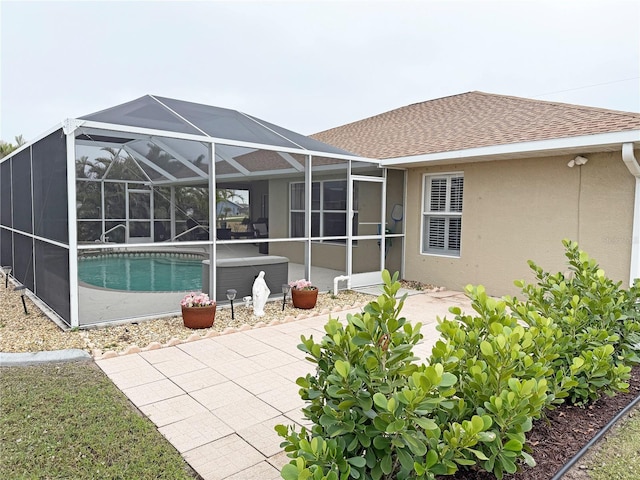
634,168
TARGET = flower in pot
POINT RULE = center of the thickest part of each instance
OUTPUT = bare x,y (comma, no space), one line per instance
303,294
198,310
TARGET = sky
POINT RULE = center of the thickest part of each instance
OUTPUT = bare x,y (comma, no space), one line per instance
309,65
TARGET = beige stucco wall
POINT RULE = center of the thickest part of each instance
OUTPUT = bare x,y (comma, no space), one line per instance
516,210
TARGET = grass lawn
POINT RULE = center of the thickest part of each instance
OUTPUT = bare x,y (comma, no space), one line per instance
70,421
618,457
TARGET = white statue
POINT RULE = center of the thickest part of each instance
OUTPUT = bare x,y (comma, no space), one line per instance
260,295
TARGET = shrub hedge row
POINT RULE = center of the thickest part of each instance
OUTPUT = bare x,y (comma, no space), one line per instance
378,413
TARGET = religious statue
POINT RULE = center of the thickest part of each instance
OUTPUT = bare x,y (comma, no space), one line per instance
260,295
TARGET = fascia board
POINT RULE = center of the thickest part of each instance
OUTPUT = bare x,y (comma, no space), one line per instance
486,153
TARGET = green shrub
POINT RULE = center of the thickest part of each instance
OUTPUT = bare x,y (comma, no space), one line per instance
598,320
376,413
502,370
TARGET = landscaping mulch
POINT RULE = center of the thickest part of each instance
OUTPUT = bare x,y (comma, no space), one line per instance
558,437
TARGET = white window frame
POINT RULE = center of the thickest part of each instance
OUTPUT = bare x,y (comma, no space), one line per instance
321,211
447,214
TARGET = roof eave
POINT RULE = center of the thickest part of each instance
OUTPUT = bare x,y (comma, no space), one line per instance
557,146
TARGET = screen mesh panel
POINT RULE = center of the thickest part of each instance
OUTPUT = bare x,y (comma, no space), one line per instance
6,248
225,123
52,278
5,194
49,160
143,112
21,176
23,260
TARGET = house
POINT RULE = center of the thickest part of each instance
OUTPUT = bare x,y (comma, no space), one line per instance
494,180
227,208
107,217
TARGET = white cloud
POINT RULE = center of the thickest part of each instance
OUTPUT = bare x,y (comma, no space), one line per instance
309,66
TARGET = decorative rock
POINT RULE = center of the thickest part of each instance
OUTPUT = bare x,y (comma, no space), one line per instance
132,349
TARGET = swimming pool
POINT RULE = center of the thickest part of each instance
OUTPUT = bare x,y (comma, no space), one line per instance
142,272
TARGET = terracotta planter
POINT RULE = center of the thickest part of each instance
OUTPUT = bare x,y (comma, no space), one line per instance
304,298
198,317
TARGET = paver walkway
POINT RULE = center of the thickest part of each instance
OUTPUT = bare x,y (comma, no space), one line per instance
217,400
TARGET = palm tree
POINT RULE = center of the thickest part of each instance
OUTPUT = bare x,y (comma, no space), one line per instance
6,148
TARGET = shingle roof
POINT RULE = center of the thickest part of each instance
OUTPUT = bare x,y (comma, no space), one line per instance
468,120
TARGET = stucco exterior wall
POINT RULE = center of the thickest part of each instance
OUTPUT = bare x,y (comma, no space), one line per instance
516,210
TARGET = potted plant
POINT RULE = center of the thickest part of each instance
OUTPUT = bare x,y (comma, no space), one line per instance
303,294
198,310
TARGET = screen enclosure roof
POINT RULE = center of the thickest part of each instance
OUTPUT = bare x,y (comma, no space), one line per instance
275,150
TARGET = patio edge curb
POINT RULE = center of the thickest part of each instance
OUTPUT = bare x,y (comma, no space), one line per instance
37,358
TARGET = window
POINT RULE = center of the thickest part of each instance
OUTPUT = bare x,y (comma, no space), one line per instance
328,208
442,214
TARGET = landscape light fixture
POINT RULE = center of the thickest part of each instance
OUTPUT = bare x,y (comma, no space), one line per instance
6,271
285,290
21,289
231,295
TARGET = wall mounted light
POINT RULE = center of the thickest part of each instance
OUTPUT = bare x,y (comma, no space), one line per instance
231,295
285,291
579,160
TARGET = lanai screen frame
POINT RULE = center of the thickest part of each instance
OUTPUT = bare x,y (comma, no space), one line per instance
74,126
71,127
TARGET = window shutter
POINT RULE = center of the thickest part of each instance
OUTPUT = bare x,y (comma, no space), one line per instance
442,213
438,195
436,232
457,187
455,231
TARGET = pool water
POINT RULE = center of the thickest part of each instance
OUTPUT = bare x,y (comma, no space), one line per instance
142,272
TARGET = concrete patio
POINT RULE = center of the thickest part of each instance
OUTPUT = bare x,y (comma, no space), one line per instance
217,400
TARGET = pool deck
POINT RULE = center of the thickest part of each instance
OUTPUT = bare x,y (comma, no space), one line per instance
101,305
217,399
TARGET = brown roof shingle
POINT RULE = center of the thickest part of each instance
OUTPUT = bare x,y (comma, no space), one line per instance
468,120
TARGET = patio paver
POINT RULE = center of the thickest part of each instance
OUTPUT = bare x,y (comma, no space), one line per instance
217,399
